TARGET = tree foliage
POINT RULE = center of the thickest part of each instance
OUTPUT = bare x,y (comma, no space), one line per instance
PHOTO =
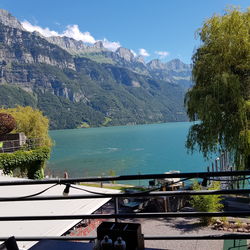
207,203
29,162
7,123
220,98
31,122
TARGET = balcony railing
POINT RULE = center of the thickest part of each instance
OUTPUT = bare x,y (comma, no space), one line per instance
115,196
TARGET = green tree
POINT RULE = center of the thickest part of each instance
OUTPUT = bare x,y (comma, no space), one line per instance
31,122
220,98
35,126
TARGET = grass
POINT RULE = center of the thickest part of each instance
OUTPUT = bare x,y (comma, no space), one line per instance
98,58
104,186
121,187
84,125
106,121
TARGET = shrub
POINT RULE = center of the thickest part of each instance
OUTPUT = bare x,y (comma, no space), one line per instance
29,163
207,203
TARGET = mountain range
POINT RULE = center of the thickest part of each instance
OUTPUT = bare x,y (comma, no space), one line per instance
78,85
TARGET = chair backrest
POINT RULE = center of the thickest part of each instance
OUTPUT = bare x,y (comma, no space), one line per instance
9,244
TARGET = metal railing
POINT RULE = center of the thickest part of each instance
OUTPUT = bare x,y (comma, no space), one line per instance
116,215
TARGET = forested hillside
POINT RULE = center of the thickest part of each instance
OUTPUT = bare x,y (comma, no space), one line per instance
75,89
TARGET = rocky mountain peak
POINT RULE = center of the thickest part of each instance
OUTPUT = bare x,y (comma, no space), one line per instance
98,45
140,59
67,43
177,65
7,19
125,53
156,64
36,33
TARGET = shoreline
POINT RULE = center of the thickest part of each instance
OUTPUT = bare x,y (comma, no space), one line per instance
107,185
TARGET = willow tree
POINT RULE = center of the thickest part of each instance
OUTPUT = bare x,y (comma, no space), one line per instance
220,98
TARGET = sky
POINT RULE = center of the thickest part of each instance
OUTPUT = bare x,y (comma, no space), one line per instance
163,29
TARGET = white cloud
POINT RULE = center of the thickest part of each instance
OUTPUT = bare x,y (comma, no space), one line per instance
74,32
133,53
143,52
162,54
71,31
43,31
111,45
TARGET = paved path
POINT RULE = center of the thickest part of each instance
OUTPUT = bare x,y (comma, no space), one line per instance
177,226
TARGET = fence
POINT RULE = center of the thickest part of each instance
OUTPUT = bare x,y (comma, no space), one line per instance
225,162
116,215
10,146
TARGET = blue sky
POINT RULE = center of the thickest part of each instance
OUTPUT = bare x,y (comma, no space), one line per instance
154,28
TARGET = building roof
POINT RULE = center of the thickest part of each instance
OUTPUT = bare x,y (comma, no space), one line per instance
47,207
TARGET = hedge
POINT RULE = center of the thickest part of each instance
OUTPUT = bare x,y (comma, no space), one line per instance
29,162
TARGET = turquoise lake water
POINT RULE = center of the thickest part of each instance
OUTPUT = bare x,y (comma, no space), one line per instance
143,149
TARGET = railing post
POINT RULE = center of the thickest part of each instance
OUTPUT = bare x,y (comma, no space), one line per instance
165,202
116,208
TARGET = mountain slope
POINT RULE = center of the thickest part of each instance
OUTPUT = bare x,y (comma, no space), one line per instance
73,90
174,71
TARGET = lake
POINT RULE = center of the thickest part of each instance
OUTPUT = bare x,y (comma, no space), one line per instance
140,149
